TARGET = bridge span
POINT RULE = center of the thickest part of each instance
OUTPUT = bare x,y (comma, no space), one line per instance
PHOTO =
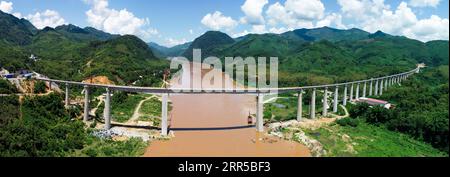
370,87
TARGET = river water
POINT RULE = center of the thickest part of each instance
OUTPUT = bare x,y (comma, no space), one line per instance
215,125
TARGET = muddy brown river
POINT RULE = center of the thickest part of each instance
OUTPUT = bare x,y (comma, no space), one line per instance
215,125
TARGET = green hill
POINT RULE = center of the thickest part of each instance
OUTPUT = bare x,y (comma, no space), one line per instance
82,35
73,53
326,55
123,60
163,52
262,45
327,33
14,30
210,43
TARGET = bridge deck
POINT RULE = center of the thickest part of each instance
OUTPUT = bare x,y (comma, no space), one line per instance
218,91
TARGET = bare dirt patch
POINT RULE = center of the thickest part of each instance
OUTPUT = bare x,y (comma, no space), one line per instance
99,80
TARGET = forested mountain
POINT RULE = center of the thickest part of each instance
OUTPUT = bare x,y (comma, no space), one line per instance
307,56
14,30
84,34
211,42
327,33
163,52
74,53
327,55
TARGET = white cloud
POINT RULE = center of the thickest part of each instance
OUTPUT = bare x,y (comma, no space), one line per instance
48,18
433,28
18,14
217,21
392,21
191,31
259,29
295,13
333,19
117,21
306,9
40,20
401,21
278,14
253,11
424,3
362,9
170,42
280,30
6,6
243,33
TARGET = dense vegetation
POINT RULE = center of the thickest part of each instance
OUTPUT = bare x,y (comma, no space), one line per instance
421,109
46,128
327,55
367,140
6,87
210,43
307,57
39,87
9,109
88,52
164,52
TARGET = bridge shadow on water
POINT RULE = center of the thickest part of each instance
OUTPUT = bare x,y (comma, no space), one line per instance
185,129
212,128
136,126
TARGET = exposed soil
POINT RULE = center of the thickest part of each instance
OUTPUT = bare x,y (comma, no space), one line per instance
99,80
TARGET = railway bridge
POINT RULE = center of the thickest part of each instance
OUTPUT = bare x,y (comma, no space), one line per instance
352,90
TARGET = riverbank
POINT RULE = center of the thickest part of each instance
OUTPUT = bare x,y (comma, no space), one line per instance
325,138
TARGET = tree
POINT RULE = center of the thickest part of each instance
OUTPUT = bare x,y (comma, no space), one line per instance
39,87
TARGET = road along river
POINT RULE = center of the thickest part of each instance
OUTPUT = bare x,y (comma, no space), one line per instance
216,125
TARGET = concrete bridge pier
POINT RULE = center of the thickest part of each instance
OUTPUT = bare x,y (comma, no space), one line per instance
335,102
389,81
364,89
107,110
371,87
357,91
66,100
381,87
260,113
312,112
164,119
386,84
376,88
300,105
392,81
325,102
86,103
351,92
344,100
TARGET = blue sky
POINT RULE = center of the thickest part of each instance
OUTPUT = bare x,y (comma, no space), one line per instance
171,22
